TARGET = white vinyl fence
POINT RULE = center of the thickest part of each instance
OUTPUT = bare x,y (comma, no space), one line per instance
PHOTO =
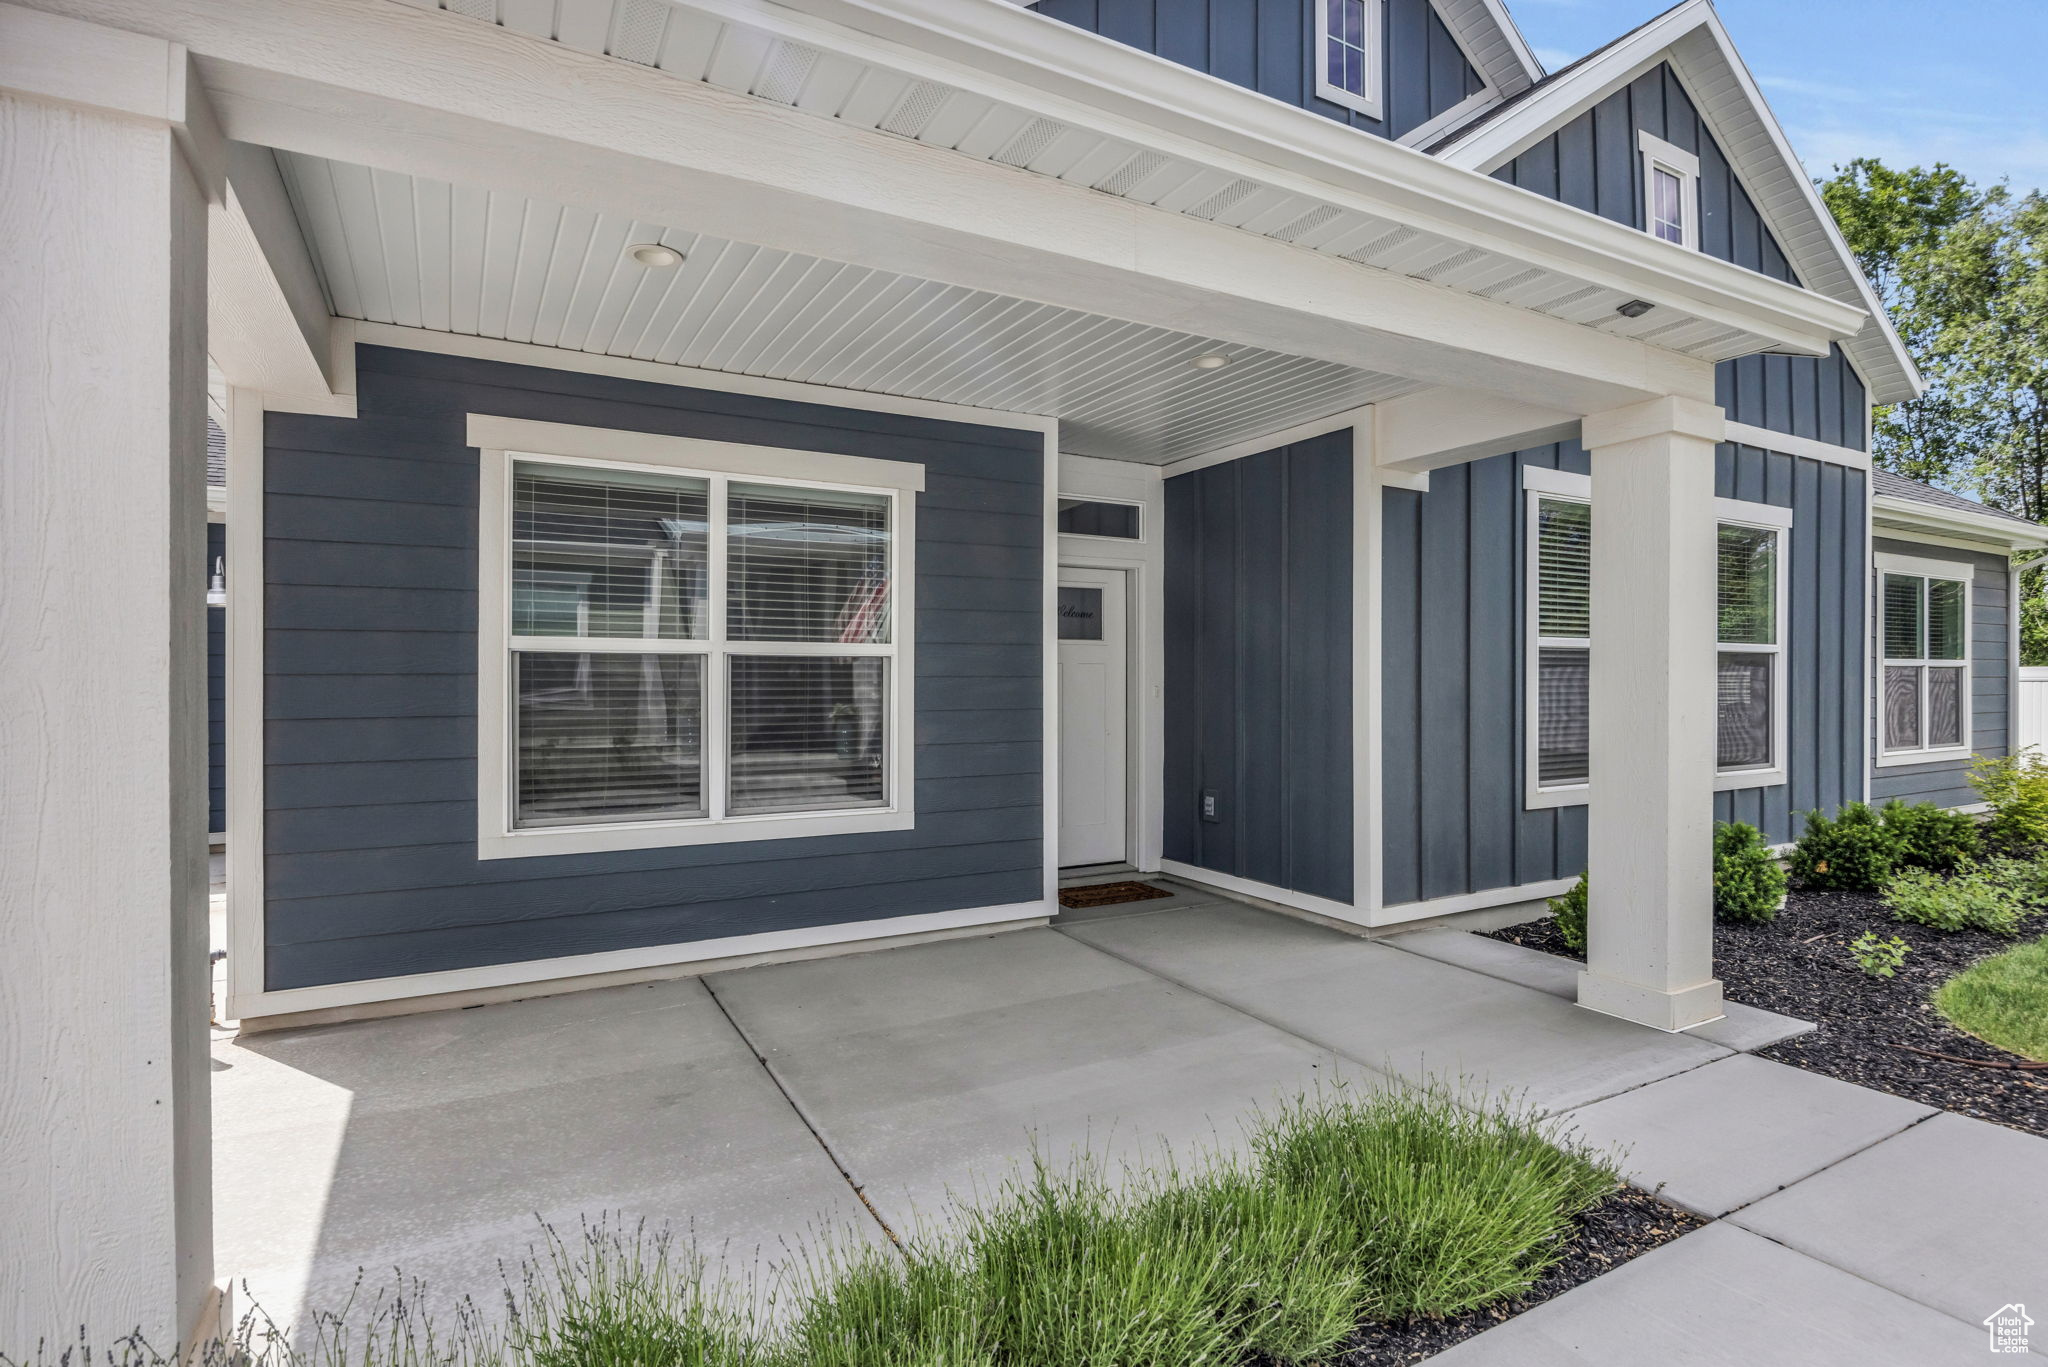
2030,709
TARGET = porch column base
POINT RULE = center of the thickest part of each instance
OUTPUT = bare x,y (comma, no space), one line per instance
1669,1010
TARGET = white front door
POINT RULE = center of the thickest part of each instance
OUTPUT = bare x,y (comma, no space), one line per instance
1094,712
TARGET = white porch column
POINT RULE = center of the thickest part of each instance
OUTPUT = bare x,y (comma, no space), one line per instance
105,1192
1650,928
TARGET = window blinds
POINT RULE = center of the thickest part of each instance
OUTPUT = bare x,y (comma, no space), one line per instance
602,553
1564,568
1746,586
608,735
807,565
806,733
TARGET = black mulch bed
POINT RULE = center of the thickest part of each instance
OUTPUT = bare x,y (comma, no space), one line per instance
1799,965
1625,1225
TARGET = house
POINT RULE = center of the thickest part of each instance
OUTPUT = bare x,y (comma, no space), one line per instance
710,481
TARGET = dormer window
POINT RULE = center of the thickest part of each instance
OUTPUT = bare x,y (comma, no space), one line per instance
1671,195
1348,53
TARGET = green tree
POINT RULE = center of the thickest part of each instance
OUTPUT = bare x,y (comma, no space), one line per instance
1964,272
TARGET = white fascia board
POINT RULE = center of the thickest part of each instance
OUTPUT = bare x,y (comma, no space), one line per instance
1692,37
1067,73
1492,42
1905,516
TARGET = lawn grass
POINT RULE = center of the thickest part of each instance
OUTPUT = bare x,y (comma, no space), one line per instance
1352,1207
2002,1000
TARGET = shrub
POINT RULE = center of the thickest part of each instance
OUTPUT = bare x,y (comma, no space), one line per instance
2016,788
1931,837
1879,958
1972,900
1570,911
1852,852
2025,879
1748,884
1453,1201
618,1299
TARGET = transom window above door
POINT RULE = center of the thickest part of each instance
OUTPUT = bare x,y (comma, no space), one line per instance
675,655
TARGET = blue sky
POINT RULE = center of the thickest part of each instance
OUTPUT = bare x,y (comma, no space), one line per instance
1907,81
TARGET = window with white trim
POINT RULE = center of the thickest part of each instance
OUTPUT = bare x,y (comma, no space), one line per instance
1750,654
1671,194
690,654
1924,677
1348,53
1750,602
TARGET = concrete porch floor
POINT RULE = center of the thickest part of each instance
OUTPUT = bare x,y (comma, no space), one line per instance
751,1108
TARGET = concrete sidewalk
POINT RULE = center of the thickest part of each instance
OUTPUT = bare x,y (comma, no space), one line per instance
1854,1227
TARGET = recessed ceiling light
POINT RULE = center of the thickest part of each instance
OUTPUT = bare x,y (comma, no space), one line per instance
1212,361
1635,308
655,256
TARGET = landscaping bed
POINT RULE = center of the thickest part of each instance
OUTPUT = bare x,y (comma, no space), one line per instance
1799,964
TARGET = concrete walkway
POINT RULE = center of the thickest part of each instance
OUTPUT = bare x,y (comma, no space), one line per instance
757,1107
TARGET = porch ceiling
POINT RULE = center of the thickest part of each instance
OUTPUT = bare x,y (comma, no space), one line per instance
393,248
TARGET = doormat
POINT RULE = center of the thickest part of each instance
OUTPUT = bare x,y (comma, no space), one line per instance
1109,894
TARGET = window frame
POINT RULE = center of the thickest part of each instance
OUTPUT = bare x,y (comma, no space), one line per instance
1371,101
503,442
1735,512
1538,484
1884,563
1659,154
1144,521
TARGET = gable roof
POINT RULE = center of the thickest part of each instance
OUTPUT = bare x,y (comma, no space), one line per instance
1493,43
1690,37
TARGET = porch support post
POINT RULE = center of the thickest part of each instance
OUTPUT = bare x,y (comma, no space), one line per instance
1650,928
105,1185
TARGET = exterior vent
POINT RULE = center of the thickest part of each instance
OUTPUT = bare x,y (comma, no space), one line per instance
486,10
1513,282
1029,144
914,111
788,67
1565,301
638,31
1126,177
1379,247
1233,193
1452,264
1307,223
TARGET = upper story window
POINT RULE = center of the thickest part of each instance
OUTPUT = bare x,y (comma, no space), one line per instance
688,646
1348,53
1671,193
1924,687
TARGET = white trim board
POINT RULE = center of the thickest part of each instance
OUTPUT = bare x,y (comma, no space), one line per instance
1474,901
1264,892
1763,438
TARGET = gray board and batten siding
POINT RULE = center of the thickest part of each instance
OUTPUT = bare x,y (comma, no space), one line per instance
1594,163
370,708
1453,652
1267,46
1258,667
1947,784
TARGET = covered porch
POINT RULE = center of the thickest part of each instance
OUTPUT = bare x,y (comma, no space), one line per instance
833,207
756,1110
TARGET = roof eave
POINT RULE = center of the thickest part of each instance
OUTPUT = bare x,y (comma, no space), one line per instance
1905,514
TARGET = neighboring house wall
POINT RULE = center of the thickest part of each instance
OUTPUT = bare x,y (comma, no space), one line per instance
1258,667
1265,45
1453,645
1947,784
1595,163
216,692
370,698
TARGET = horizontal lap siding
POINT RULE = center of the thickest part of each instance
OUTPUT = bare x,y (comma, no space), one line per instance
1258,667
216,691
1948,784
1267,46
1454,726
370,689
1594,163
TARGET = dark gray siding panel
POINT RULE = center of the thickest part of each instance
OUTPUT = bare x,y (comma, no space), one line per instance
216,691
1594,163
370,690
1454,722
1258,667
1266,45
1990,683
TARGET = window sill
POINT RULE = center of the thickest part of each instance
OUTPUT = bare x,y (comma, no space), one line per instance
1902,758
1543,799
675,835
1736,780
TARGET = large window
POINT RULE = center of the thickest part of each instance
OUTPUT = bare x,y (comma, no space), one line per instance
1924,678
1348,53
689,653
1749,633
